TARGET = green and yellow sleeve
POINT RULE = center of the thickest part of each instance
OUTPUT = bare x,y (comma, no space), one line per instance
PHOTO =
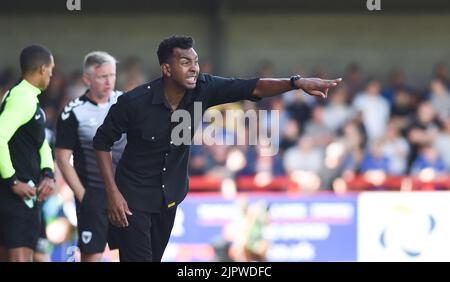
46,156
19,108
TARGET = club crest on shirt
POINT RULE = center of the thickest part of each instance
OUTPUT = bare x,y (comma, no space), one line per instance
86,236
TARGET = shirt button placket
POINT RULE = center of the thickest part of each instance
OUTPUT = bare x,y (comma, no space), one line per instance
164,169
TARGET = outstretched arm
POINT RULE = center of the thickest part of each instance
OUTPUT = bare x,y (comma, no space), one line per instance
268,87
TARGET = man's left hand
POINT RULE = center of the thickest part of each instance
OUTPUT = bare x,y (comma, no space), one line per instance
317,86
45,188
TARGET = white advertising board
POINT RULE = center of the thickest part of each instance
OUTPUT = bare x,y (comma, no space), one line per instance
404,226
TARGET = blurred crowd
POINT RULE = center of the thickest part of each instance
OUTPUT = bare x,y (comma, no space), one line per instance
373,126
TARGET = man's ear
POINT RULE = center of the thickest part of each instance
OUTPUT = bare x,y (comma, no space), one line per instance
42,69
86,79
165,68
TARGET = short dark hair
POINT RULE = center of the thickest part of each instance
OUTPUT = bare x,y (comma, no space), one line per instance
165,49
33,57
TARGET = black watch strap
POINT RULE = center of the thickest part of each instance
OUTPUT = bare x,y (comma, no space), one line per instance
48,172
292,81
11,181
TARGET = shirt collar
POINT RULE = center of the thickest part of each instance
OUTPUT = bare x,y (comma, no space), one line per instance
33,89
157,89
85,97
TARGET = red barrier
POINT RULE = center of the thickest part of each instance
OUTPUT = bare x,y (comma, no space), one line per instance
358,183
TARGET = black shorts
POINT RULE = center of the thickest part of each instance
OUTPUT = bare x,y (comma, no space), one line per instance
146,236
94,229
19,224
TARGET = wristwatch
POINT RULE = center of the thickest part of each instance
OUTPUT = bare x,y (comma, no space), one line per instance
46,172
10,181
292,81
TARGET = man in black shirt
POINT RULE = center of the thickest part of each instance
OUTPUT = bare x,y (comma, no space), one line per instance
152,177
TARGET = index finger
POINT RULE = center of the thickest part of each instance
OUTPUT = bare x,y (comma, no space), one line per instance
31,191
123,216
46,191
41,185
337,80
115,219
112,218
332,83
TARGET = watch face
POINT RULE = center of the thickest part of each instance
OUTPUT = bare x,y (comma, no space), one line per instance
293,79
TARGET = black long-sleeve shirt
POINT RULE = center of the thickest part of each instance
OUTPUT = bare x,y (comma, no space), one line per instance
153,171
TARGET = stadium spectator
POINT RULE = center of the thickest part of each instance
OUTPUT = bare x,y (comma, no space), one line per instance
396,82
442,141
428,161
403,107
374,109
131,74
422,130
440,98
375,159
316,128
337,111
396,147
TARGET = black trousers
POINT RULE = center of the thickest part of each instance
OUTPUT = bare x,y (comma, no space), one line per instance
146,236
94,230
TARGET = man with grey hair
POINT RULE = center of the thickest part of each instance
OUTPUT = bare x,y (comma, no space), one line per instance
75,130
